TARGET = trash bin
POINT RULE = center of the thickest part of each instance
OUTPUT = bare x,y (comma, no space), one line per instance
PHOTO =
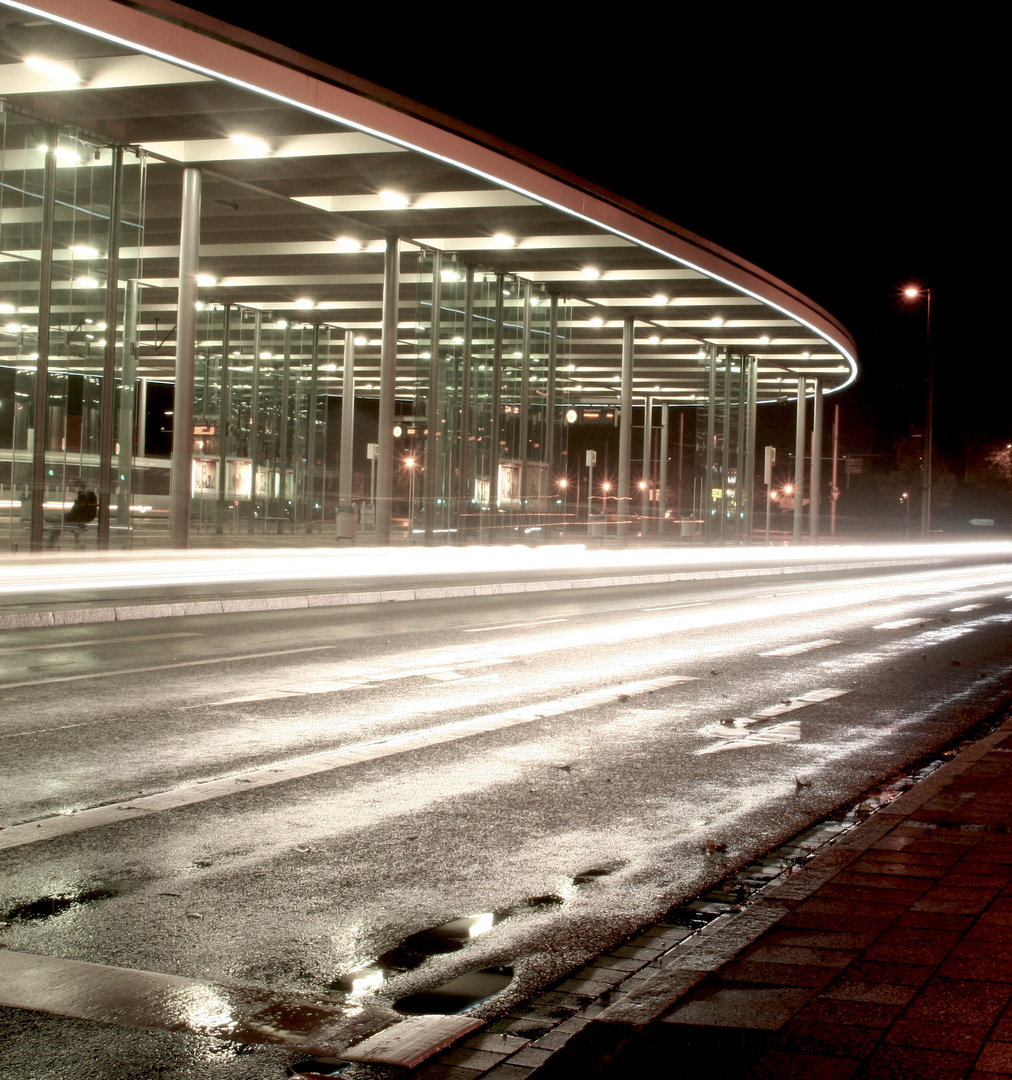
598,526
688,530
347,523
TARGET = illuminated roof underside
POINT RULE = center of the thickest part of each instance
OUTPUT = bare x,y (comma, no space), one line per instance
278,217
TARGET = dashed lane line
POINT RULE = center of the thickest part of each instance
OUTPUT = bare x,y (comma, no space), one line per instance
510,626
203,791
898,624
99,642
801,647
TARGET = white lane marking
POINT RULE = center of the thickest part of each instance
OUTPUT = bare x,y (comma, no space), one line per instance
323,686
98,641
731,736
672,607
803,647
510,626
970,607
898,624
203,791
167,667
789,732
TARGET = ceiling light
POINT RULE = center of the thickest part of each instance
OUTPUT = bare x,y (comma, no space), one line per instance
716,321
590,272
7,309
764,340
660,298
304,303
84,251
450,274
595,321
394,198
265,356
282,324
503,241
248,142
361,341
346,243
86,282
50,68
206,281
654,339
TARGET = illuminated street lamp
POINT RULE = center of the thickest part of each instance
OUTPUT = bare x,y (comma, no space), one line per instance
915,292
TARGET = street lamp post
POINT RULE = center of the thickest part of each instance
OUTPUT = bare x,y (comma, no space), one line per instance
915,292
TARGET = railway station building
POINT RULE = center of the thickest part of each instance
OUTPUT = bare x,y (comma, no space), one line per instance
243,292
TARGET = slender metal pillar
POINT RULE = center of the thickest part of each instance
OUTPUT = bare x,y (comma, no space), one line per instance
928,449
346,473
462,494
254,427
799,463
648,462
706,499
224,413
388,389
493,462
128,408
681,459
107,407
746,483
525,396
40,401
625,431
283,448
834,491
313,408
433,441
181,471
553,359
725,448
662,470
815,494
814,497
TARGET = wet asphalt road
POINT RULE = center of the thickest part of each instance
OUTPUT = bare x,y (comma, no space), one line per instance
653,735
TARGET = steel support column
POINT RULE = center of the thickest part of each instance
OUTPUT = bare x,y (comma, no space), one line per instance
224,410
746,483
346,471
624,504
41,395
433,440
662,469
388,390
815,493
107,408
180,475
128,407
799,463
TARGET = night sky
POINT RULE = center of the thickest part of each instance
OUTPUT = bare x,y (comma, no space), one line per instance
847,160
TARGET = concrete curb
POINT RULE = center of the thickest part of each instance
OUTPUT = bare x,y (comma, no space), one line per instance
33,620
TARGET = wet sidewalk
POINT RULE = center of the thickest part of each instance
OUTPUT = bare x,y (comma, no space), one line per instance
886,955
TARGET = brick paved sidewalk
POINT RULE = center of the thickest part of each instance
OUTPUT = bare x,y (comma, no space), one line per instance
888,956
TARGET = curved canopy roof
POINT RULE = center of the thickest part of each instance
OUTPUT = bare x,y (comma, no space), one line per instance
305,214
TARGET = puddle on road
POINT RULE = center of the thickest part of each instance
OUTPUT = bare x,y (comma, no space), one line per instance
459,994
465,991
312,1068
48,906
